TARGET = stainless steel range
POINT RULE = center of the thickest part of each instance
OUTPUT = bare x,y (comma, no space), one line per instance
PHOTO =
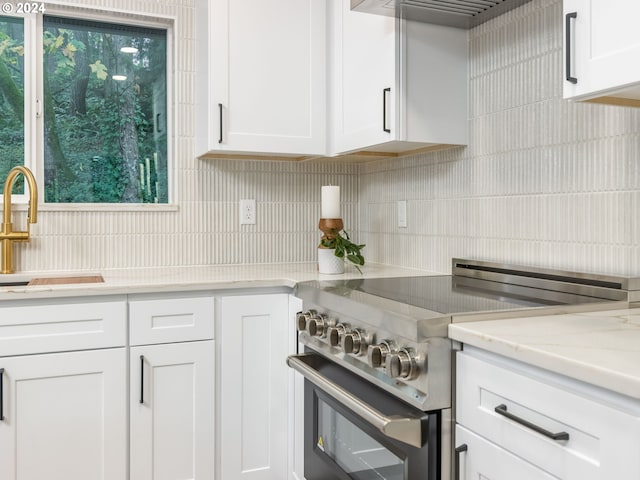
378,362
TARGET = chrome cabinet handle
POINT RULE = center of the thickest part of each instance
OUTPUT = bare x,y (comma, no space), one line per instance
567,28
405,429
384,110
1,394
458,451
141,379
502,410
220,113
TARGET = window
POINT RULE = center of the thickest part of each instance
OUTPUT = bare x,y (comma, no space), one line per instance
103,126
12,131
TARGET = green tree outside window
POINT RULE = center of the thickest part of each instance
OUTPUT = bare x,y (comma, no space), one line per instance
104,110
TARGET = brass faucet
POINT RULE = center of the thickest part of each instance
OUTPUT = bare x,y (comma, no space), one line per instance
7,235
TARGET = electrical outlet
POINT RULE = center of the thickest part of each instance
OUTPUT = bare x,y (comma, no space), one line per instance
248,212
402,214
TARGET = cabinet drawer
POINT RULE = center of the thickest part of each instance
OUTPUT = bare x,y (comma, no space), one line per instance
170,319
485,460
602,438
57,327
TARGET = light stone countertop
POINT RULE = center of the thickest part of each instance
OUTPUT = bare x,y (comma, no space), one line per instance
600,348
190,278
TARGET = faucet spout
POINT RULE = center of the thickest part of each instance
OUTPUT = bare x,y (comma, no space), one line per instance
7,234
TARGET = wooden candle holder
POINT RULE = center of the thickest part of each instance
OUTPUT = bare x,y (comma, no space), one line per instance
330,227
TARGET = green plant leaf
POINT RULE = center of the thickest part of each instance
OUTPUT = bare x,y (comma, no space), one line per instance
99,69
344,248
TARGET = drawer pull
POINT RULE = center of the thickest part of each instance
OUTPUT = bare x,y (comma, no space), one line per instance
220,120
1,395
458,451
567,21
141,379
502,410
385,91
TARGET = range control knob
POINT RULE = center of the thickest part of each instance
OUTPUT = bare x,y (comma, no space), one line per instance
317,325
354,342
335,333
377,354
302,318
402,364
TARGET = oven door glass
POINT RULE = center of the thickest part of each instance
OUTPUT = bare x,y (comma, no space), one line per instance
355,452
342,441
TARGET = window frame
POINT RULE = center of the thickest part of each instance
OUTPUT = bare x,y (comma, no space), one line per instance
33,95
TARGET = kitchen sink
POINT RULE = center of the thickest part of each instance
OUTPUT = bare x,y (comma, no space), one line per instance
16,283
22,280
14,280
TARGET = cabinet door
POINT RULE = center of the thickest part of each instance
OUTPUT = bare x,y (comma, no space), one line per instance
172,411
363,80
396,85
268,77
485,460
253,386
65,416
604,47
520,408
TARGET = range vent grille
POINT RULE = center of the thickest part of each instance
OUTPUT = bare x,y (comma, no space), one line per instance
455,13
464,7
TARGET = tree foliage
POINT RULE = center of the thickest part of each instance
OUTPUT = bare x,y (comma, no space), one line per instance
102,142
11,95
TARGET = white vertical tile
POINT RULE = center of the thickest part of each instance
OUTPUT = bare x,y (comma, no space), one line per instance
543,181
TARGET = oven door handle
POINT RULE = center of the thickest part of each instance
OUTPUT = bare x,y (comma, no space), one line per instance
404,429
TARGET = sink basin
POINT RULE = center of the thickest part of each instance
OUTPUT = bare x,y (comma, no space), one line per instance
13,283
14,280
21,280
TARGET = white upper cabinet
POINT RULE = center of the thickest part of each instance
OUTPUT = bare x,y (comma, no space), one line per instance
261,78
601,51
395,85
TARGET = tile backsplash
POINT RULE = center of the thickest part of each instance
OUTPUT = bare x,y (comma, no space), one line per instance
543,181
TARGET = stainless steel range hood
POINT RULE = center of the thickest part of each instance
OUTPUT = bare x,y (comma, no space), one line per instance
454,13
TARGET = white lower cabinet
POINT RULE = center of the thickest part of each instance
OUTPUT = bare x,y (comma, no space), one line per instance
484,460
253,334
172,385
172,414
64,414
171,403
523,422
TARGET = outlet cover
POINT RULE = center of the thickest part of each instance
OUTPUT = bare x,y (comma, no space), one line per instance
248,212
402,214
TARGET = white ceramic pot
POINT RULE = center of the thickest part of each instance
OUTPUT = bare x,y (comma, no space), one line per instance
328,263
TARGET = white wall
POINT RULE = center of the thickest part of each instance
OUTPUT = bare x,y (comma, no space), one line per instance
543,182
205,228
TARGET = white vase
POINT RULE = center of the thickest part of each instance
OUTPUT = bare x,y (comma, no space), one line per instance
328,263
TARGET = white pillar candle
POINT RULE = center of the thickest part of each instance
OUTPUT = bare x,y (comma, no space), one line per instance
330,202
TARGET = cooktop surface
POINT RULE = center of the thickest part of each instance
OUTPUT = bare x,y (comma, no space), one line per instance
449,294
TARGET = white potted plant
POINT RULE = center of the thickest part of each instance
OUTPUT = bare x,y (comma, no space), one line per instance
335,248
